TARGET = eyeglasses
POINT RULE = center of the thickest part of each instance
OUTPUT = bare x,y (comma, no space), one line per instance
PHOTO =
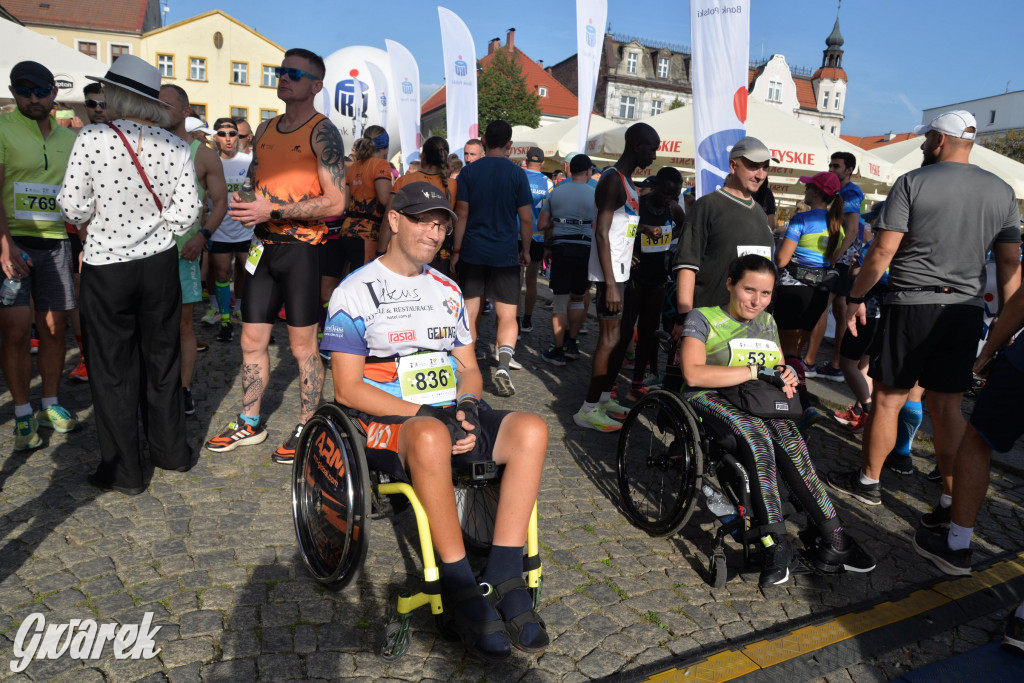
426,223
26,91
293,73
227,133
96,104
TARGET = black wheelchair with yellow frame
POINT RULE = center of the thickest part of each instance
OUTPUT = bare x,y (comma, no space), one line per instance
335,494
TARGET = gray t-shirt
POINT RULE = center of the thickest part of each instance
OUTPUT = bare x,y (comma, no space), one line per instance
951,214
572,210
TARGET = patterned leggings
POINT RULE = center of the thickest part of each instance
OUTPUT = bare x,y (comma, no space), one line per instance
772,447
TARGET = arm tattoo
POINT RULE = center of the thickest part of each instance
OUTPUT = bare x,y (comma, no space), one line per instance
252,386
332,154
311,384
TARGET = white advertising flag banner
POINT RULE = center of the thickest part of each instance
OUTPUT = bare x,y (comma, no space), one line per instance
720,37
591,16
405,84
459,80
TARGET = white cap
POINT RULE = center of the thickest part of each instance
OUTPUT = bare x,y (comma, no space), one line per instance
952,123
192,124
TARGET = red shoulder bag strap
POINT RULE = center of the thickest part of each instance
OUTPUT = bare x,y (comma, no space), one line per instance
135,160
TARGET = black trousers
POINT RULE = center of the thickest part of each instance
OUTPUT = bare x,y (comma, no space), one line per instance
130,317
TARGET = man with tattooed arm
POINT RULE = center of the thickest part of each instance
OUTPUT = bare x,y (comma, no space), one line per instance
298,173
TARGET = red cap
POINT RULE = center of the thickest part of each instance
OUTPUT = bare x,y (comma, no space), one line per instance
826,181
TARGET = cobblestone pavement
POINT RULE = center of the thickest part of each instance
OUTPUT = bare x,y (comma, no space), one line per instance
212,553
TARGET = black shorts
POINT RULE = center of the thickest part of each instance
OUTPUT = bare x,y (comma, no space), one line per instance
241,247
337,254
536,251
289,275
799,307
382,440
498,284
864,344
998,415
933,344
76,252
569,264
602,291
844,283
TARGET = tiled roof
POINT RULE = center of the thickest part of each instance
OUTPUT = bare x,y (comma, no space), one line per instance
835,73
558,102
873,141
125,16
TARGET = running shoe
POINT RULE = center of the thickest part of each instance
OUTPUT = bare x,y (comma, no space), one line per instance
503,383
810,370
1013,635
811,417
526,325
285,453
58,419
853,558
190,405
572,349
513,364
628,363
80,373
849,483
654,381
826,371
932,545
848,416
33,344
212,316
636,393
900,464
614,409
237,433
236,315
938,518
584,328
202,346
596,419
282,314
227,332
934,475
554,356
775,562
26,433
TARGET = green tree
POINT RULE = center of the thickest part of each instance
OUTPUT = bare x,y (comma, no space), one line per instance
1010,144
676,103
502,94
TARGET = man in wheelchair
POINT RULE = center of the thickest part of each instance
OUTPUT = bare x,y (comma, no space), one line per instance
728,346
403,361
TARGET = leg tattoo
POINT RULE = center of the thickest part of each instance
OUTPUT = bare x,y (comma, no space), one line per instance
311,378
252,386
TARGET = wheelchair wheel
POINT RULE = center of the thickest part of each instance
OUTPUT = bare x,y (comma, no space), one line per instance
659,463
477,505
718,571
331,497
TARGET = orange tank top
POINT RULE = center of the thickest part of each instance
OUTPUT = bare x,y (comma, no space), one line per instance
287,172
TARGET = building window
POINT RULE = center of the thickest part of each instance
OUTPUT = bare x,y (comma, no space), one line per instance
269,77
542,91
663,67
197,69
239,112
824,104
267,114
631,63
88,48
118,50
627,107
198,110
991,116
166,65
240,73
774,91
656,107
833,130
838,95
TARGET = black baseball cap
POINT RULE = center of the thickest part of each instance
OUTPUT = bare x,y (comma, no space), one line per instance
33,72
535,154
416,198
579,163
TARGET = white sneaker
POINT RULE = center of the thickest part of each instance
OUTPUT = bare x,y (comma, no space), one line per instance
512,364
596,419
212,316
503,383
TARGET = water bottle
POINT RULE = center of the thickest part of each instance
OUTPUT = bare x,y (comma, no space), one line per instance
720,506
11,287
246,193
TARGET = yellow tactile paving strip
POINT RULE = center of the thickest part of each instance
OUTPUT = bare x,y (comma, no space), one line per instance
730,664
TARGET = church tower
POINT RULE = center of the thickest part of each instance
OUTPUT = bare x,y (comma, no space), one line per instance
829,82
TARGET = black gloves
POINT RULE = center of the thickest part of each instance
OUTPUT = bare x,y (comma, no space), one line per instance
447,418
771,375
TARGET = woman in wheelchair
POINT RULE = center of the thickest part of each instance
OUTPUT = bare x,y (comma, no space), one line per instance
725,346
404,364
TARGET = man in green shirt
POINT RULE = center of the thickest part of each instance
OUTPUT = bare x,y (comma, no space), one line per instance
34,249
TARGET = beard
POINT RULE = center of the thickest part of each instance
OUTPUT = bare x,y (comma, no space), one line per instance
34,112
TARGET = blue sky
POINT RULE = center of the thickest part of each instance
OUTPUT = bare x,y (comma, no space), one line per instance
901,56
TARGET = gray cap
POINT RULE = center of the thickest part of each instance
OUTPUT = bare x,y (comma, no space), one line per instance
750,148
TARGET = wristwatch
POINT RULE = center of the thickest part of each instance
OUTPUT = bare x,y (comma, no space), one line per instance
855,300
275,212
205,233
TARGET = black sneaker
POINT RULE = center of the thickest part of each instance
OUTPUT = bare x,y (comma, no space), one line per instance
852,559
285,453
932,545
939,518
1013,635
190,405
900,464
934,475
227,332
776,560
526,325
849,483
554,356
571,349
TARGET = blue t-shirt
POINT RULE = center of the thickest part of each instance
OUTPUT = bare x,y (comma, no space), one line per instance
853,201
540,186
494,188
809,229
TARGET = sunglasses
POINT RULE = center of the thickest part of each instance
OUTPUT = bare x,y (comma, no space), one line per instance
293,74
26,91
426,224
96,104
227,133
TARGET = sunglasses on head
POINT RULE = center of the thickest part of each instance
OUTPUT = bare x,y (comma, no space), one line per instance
293,74
227,133
96,104
28,91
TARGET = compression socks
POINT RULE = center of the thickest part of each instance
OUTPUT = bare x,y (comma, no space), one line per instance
909,420
504,563
801,378
224,299
250,420
458,575
505,354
